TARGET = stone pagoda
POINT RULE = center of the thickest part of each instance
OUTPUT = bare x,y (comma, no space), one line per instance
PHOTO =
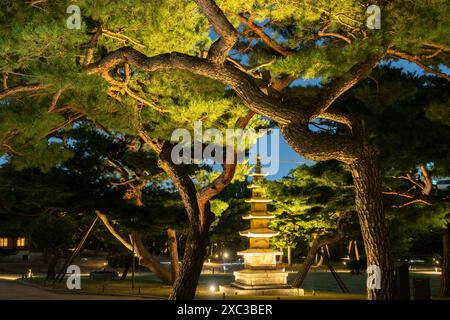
261,274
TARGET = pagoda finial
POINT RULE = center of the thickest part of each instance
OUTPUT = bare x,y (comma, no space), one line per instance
258,164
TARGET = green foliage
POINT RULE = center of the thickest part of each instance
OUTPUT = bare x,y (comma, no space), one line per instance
48,231
405,118
308,201
217,207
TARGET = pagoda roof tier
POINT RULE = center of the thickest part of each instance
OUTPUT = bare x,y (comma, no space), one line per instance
260,252
258,200
261,216
256,174
253,186
259,233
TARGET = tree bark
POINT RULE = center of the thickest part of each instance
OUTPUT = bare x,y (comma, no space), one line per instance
304,268
289,255
173,251
185,285
125,270
197,205
370,211
444,290
147,260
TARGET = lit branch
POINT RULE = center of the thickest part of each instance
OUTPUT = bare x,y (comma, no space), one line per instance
55,100
118,86
121,37
20,89
264,37
342,84
91,46
413,202
335,35
438,46
228,171
228,34
5,80
416,60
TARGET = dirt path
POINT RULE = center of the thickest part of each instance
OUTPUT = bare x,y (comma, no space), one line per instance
11,290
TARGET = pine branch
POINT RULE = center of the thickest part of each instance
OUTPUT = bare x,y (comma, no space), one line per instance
20,89
416,60
219,50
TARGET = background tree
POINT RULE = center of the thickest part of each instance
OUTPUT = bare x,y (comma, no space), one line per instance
307,200
411,131
53,234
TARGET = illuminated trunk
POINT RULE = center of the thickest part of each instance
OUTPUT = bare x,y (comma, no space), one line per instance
148,261
311,256
185,285
173,251
304,268
289,255
370,211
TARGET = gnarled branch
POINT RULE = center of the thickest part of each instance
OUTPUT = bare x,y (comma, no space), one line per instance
229,169
228,34
145,258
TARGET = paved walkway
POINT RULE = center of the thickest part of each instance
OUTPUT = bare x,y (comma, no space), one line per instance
11,290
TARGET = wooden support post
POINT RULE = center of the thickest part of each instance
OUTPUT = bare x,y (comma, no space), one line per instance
62,272
338,279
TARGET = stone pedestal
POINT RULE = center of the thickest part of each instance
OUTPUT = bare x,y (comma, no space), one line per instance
288,291
261,283
249,278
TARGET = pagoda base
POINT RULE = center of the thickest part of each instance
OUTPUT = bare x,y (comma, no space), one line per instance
261,283
285,290
250,277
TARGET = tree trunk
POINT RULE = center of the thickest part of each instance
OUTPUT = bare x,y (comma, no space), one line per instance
323,240
289,255
55,255
125,270
147,260
304,268
370,211
444,290
173,251
194,254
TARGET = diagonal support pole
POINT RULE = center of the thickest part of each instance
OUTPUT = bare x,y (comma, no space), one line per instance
338,279
69,261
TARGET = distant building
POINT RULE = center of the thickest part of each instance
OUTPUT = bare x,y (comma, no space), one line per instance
442,183
14,246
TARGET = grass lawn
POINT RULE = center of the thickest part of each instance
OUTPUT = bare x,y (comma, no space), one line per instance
318,285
